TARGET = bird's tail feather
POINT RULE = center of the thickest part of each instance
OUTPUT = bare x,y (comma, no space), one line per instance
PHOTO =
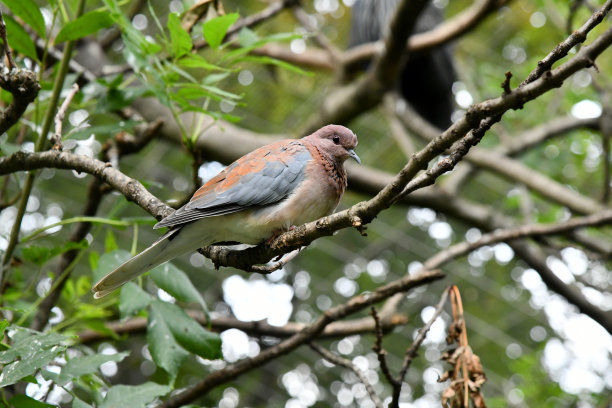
162,250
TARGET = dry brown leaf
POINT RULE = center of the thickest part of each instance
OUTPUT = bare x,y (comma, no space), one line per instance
454,331
474,364
478,400
445,376
447,394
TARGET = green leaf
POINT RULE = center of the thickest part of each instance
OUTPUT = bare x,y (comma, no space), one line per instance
77,403
79,366
133,396
29,11
214,78
215,29
165,351
30,351
197,61
40,255
177,283
19,39
3,325
278,37
192,91
25,339
93,258
274,61
221,93
100,327
85,25
179,37
132,299
110,261
187,332
247,37
115,99
23,401
110,243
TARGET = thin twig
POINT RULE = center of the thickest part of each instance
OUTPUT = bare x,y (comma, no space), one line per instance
7,48
304,20
463,341
562,49
381,354
343,362
412,351
398,132
605,125
59,117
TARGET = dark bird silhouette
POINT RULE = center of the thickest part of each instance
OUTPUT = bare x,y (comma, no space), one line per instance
426,80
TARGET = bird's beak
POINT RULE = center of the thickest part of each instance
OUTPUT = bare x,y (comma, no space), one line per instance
353,155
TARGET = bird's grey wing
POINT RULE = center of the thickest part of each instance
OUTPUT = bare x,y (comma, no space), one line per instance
263,177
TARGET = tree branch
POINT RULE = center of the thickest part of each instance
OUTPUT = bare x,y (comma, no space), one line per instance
306,335
351,100
130,188
24,87
7,48
389,320
535,260
449,30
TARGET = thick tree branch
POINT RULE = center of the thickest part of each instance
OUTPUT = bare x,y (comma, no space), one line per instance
130,188
351,100
24,87
364,212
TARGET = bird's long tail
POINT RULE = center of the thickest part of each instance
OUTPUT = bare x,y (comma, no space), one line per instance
167,247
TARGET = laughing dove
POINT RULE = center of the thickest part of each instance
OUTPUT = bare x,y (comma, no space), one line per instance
267,191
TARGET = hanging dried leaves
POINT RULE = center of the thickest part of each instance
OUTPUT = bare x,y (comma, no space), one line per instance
466,374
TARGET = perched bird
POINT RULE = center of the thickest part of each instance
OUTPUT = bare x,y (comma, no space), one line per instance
427,78
264,193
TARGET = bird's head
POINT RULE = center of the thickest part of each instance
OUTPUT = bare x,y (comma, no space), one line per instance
336,141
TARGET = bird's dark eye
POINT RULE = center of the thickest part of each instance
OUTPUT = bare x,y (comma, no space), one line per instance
336,139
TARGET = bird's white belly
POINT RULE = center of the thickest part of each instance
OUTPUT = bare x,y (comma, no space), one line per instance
296,210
